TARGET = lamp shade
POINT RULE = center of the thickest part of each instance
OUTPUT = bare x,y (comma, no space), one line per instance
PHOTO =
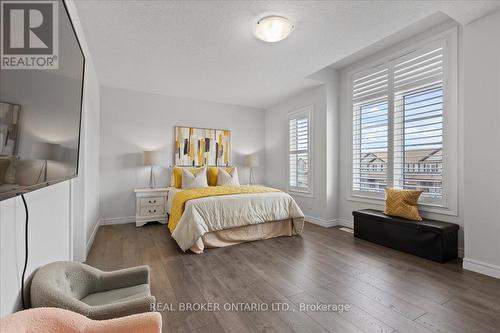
46,151
152,157
252,160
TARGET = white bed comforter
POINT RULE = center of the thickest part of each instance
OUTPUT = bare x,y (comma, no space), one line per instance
216,213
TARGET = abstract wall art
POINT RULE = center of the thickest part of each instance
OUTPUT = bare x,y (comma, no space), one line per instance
202,146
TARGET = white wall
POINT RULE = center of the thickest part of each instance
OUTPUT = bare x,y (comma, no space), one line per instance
91,134
60,215
132,122
321,207
49,238
85,190
481,61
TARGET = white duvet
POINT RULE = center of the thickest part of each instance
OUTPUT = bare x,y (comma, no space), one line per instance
216,213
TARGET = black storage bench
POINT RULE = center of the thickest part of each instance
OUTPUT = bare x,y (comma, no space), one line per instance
434,240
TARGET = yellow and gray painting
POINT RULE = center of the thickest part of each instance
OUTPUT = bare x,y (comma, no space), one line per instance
202,146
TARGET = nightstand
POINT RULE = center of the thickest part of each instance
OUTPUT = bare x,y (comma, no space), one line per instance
151,206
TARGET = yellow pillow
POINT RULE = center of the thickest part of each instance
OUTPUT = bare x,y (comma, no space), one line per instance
213,173
402,203
176,176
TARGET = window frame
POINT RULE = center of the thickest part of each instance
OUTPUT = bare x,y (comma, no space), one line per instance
448,205
308,112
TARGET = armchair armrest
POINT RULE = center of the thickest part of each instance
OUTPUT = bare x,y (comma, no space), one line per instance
121,309
124,278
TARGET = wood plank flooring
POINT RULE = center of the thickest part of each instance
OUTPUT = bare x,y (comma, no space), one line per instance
387,290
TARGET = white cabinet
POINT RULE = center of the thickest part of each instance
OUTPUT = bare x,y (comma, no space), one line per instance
151,206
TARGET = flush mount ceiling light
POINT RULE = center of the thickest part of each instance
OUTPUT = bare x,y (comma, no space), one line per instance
273,28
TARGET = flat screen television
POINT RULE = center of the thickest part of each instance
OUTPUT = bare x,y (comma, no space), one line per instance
41,108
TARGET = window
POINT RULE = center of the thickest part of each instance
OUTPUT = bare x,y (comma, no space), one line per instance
399,132
371,132
299,157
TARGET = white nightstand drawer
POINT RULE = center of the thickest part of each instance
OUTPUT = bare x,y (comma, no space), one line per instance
153,201
151,205
152,211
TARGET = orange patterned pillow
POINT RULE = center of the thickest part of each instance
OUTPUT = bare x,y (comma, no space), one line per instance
402,203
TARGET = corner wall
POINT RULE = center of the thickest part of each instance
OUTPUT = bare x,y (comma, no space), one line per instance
85,193
481,61
322,207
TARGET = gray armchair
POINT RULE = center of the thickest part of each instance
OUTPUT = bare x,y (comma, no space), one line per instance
92,292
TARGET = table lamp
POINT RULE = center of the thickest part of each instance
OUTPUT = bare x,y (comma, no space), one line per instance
252,161
152,158
46,151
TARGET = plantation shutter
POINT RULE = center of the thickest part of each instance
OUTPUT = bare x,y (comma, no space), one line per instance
418,121
299,143
370,130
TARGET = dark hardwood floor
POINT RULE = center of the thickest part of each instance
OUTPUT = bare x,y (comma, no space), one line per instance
387,290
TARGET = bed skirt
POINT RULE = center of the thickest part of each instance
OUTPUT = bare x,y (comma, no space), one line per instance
247,233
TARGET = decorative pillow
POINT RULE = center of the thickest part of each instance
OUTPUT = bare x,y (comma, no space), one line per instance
191,180
176,175
225,178
402,203
213,173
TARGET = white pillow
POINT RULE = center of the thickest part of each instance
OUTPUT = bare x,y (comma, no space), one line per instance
193,181
226,179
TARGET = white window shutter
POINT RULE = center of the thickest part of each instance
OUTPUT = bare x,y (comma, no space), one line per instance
399,124
418,121
370,130
299,151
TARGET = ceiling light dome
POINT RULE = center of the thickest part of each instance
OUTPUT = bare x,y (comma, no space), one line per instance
273,28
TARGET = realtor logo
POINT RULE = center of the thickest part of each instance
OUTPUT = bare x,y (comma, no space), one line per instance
29,34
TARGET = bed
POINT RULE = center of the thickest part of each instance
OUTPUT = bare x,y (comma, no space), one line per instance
220,216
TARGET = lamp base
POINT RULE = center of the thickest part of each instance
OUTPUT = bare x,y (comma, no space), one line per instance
152,178
252,177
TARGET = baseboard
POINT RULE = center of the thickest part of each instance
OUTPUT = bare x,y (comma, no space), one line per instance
345,223
481,268
92,237
321,222
118,220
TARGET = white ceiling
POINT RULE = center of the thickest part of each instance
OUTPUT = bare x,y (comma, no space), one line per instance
206,49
